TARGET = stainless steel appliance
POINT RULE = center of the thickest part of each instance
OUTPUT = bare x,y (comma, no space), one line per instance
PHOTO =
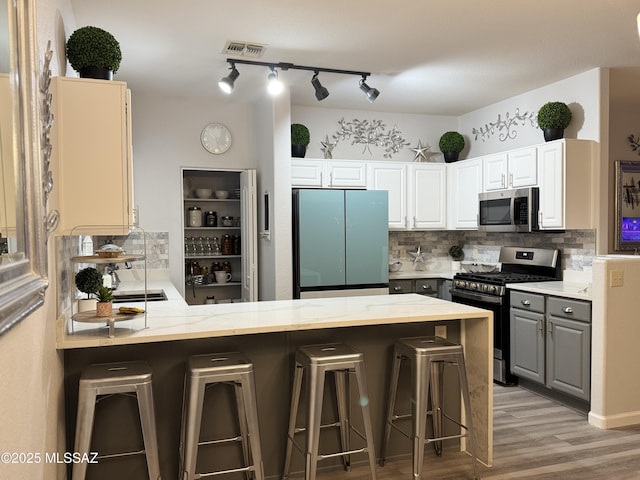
340,242
509,210
489,291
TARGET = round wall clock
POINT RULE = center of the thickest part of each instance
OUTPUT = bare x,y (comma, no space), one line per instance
216,138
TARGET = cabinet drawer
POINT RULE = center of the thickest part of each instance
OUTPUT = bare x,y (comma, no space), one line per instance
527,301
427,286
400,286
568,308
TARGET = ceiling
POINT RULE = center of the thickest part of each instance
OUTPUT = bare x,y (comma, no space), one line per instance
425,56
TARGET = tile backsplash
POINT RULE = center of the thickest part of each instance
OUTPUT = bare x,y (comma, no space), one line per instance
577,246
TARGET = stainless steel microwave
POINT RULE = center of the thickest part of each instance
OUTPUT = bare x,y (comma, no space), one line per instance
513,210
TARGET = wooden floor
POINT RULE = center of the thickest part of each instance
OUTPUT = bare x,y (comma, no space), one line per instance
534,438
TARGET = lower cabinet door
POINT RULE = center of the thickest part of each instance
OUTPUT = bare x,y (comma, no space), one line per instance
569,356
527,345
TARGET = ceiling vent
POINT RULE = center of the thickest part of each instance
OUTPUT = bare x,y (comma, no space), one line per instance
243,49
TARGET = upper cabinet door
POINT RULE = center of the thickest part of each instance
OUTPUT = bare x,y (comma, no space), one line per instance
551,213
306,172
346,174
523,168
92,150
464,186
391,177
428,196
494,172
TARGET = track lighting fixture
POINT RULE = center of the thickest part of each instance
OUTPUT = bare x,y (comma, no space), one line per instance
226,83
371,93
321,92
275,86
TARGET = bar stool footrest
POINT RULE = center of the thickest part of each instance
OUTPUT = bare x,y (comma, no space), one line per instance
119,455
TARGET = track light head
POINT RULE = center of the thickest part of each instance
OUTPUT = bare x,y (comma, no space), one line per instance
226,83
371,93
275,86
321,92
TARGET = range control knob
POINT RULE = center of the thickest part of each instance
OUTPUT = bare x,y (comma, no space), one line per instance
473,286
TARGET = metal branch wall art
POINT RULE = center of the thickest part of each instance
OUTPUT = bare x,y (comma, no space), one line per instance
46,116
507,124
634,143
371,133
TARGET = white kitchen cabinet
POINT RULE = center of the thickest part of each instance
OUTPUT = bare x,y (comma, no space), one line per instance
565,181
391,177
465,183
513,169
92,154
417,193
310,173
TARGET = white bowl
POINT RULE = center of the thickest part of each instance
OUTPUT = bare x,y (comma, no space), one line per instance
395,266
222,194
203,192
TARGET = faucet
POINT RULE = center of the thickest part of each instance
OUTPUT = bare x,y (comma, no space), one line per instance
111,269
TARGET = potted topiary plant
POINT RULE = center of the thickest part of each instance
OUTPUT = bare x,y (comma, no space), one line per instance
299,140
553,118
94,53
457,254
104,307
451,144
88,281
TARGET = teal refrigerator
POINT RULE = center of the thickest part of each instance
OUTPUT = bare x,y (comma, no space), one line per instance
340,242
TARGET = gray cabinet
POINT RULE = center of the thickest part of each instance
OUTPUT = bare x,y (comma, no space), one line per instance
551,342
424,286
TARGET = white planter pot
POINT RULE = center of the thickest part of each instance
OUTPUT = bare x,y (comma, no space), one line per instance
87,305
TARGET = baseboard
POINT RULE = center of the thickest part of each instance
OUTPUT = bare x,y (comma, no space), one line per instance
614,421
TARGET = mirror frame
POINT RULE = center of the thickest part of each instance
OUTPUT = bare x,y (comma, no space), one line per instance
623,167
23,281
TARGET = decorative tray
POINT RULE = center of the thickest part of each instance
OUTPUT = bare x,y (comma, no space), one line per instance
91,317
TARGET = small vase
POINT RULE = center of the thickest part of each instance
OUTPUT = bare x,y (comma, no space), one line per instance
86,304
96,72
298,151
104,309
450,157
551,134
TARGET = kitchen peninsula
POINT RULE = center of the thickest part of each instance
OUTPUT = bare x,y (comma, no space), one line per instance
269,332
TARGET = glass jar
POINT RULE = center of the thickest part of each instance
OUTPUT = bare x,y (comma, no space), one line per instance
215,267
194,217
216,247
211,219
227,245
236,245
226,266
227,221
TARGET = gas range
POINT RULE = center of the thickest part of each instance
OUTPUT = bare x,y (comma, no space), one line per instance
489,291
519,265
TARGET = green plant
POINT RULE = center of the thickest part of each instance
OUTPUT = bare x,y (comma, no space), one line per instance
299,134
451,142
88,281
554,115
93,47
456,253
104,294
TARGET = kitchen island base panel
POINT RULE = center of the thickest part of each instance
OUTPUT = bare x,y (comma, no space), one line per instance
272,356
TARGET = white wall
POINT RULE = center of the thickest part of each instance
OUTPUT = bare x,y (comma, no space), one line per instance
166,137
324,122
581,92
31,369
615,333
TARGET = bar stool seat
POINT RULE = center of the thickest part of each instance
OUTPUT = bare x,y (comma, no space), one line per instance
204,371
111,379
317,361
427,357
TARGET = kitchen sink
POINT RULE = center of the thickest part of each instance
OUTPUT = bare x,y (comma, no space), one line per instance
138,296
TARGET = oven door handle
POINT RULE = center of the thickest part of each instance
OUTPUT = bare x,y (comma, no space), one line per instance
496,300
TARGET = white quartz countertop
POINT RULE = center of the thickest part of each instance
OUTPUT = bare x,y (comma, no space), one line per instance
578,291
175,320
416,274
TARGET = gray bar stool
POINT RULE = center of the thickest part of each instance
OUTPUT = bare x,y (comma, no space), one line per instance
203,371
427,356
317,360
111,379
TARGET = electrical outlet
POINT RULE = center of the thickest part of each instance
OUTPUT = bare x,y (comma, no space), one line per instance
616,278
441,331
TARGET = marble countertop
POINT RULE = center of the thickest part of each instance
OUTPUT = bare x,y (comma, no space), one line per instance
415,274
175,320
578,291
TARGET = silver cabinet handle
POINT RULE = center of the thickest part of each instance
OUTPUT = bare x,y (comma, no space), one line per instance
540,325
567,309
525,302
426,287
397,289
